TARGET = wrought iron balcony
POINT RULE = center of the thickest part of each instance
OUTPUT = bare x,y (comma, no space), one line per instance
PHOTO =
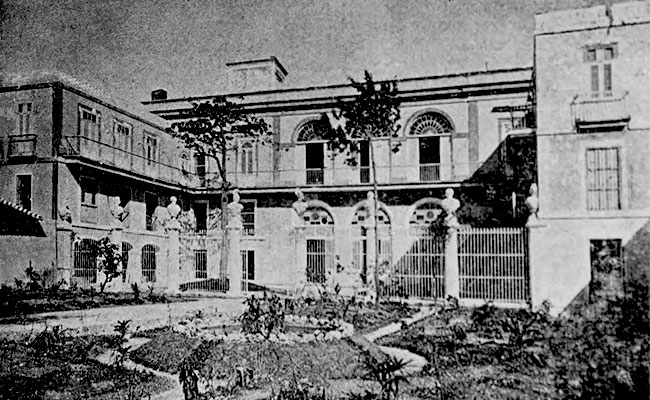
429,172
600,111
22,146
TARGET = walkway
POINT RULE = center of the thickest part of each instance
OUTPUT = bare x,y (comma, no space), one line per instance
102,320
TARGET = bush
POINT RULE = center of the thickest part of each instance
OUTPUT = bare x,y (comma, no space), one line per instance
263,316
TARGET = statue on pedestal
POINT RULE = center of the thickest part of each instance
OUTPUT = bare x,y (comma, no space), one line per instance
234,210
174,211
299,207
532,203
450,205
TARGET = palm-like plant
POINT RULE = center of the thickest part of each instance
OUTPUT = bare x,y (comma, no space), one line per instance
389,374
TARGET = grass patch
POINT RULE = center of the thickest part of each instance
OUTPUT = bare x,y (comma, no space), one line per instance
166,350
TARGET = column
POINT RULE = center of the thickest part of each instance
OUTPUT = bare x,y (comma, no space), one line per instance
65,252
173,259
300,256
234,258
452,276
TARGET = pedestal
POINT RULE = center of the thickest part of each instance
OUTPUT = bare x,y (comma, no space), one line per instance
64,252
452,276
173,260
234,260
300,256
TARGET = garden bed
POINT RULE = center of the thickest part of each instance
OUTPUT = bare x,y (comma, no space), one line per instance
46,371
15,304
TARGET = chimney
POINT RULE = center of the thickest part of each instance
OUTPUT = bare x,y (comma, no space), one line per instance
255,75
159,94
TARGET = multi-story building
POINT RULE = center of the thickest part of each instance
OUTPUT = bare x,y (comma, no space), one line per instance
575,123
592,85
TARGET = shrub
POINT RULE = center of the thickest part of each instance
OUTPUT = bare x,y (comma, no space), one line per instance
263,316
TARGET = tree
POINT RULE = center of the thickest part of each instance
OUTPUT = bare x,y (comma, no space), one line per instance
109,260
372,114
214,130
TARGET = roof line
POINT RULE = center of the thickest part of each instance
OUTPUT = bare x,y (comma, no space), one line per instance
21,209
341,85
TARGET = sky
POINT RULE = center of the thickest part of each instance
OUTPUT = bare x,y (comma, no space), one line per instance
128,48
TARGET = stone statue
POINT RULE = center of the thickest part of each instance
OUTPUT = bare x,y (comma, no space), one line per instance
117,210
450,205
532,202
174,211
299,206
234,210
65,213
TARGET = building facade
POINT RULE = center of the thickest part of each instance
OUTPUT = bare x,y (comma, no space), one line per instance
575,124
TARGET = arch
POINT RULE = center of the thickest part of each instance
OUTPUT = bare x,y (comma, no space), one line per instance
363,204
427,203
429,122
308,131
318,204
148,262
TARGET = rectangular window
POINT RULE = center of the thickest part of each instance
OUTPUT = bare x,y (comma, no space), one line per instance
89,190
248,265
600,57
122,133
603,179
247,158
151,149
201,263
24,121
201,213
24,191
594,78
607,77
248,217
89,121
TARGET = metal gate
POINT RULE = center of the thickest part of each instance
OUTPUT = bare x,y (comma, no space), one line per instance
84,273
248,271
420,272
493,264
320,258
149,263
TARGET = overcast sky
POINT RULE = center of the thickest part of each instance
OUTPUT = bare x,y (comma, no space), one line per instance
130,47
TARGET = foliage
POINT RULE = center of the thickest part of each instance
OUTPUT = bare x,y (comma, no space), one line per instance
263,316
35,281
50,342
109,260
121,349
603,351
135,289
298,389
373,113
388,373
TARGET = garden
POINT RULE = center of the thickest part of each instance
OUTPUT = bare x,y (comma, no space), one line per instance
328,348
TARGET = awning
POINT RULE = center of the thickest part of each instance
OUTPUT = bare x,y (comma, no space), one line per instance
15,220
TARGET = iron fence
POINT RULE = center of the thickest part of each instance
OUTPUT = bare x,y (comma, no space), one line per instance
493,264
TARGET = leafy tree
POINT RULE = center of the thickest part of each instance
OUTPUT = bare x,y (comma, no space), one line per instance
214,130
109,260
371,115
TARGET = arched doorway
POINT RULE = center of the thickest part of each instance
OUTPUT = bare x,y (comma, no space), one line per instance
319,233
420,272
362,231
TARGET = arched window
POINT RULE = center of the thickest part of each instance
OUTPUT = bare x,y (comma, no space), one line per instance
85,263
434,153
424,216
362,258
317,216
185,163
311,131
148,262
320,243
431,124
312,135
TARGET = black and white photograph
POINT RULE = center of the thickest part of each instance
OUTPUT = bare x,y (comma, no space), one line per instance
324,199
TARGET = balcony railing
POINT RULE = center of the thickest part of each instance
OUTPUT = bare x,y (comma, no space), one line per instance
315,176
429,172
22,146
364,174
600,110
